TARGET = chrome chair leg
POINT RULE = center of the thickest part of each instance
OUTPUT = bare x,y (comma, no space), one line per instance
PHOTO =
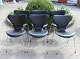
68,41
53,33
23,42
74,45
46,41
58,45
50,28
29,42
6,43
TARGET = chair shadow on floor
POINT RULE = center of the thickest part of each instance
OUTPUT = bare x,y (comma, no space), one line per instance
22,55
17,54
4,55
50,43
52,55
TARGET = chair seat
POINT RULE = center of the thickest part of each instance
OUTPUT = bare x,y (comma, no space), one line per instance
65,33
38,34
13,33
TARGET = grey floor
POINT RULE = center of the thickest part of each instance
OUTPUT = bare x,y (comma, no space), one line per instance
38,48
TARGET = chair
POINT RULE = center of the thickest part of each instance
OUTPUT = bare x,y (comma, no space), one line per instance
17,21
38,20
22,12
62,21
40,12
55,12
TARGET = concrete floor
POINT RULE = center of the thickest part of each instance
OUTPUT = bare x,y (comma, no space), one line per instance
38,49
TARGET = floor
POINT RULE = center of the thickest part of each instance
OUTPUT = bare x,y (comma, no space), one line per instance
37,48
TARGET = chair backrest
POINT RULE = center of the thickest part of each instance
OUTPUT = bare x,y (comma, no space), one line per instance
38,20
22,12
17,20
62,21
39,12
57,12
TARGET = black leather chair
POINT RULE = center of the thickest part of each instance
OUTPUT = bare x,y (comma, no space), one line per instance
22,12
17,21
27,12
62,21
40,12
55,12
38,20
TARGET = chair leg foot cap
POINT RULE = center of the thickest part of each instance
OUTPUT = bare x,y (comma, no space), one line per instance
47,42
56,53
6,51
10,41
26,52
47,52
24,41
30,41
75,51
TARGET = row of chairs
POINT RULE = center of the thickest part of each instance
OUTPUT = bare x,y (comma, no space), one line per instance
52,12
38,19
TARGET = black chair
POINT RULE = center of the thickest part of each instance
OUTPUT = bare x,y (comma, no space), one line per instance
27,12
55,12
22,12
40,12
17,21
62,21
38,20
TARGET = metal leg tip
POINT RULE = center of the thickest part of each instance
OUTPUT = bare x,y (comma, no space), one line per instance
10,41
75,51
30,41
47,41
50,43
24,41
6,51
26,52
47,53
56,53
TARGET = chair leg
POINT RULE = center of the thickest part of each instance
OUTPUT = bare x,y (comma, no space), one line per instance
29,42
68,41
50,28
58,45
6,43
53,33
74,45
22,42
10,40
46,41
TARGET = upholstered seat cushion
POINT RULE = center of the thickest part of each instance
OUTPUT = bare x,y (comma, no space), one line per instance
13,33
38,34
65,33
